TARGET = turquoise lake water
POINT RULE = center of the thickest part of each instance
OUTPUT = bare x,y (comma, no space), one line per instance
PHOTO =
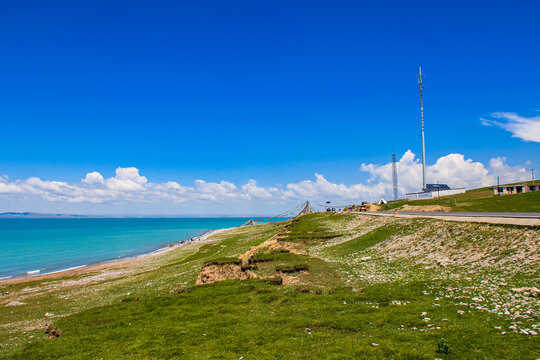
31,246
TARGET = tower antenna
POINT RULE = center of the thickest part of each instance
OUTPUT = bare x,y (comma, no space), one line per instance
420,87
394,176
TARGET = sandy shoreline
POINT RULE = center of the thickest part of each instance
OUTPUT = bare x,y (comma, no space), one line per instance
111,264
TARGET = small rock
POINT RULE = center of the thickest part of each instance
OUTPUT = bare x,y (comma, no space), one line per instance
49,315
374,345
535,292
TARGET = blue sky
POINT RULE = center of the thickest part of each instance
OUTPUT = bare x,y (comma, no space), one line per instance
274,91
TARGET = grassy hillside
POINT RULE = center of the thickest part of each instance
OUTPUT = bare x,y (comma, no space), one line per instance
480,200
330,286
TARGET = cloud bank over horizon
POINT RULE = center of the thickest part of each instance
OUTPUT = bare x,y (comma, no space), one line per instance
129,192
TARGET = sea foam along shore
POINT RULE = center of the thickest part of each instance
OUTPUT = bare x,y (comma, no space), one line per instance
109,265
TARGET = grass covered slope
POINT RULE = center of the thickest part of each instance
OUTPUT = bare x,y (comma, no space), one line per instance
480,200
320,286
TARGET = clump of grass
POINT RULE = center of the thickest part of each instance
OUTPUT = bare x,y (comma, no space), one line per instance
292,269
259,260
224,261
443,347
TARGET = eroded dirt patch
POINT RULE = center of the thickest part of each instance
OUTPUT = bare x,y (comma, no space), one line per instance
425,208
211,273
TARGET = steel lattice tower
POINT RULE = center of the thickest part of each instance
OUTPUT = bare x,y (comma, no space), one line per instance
420,87
394,176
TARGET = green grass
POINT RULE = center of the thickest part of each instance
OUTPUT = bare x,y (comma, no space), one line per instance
255,320
323,316
364,241
310,229
480,200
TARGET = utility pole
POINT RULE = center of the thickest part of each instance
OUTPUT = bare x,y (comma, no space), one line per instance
532,175
420,87
394,176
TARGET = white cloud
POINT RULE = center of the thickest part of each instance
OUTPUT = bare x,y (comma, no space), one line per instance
526,129
216,191
127,186
127,179
93,178
321,189
452,169
8,188
252,190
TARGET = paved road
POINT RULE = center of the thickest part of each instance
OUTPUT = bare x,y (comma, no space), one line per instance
466,214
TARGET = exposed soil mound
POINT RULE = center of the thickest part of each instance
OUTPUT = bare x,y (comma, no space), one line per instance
293,248
290,279
425,208
274,243
291,275
213,272
373,207
254,249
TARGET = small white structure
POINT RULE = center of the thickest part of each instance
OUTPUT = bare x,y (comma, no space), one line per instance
383,202
433,191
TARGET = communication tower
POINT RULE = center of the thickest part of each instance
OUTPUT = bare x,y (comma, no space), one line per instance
420,87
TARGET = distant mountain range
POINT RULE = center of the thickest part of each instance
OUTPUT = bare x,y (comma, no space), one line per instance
33,215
